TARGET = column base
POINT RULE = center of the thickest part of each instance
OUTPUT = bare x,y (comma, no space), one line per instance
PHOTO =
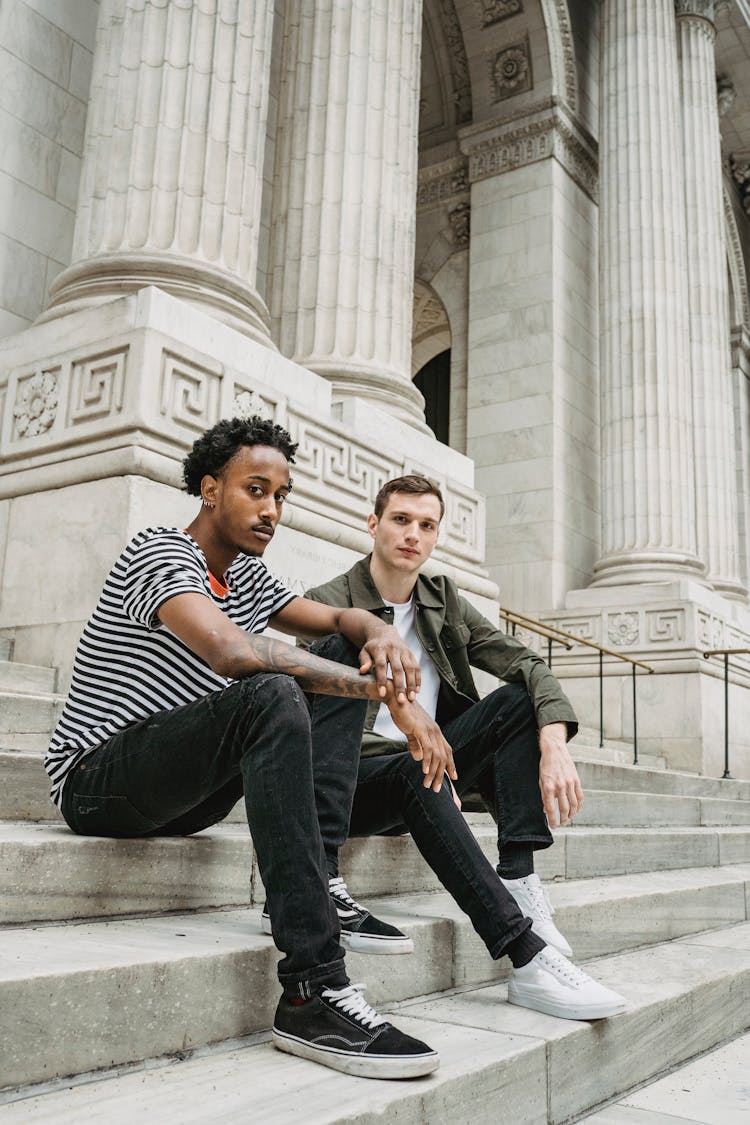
388,390
646,566
213,290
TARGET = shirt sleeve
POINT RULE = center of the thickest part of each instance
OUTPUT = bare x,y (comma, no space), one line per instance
157,570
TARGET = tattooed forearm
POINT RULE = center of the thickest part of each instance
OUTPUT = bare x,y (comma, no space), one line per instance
313,673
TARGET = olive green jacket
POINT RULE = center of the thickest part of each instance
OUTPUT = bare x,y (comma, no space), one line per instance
456,637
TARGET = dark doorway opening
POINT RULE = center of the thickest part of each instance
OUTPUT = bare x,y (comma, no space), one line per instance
434,381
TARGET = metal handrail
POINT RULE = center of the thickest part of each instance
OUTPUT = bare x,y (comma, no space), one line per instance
529,622
542,630
726,653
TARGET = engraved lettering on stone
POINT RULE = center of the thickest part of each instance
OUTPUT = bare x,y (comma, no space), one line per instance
623,628
511,71
493,11
189,392
97,385
35,407
665,626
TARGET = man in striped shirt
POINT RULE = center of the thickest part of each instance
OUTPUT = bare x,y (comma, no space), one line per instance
179,707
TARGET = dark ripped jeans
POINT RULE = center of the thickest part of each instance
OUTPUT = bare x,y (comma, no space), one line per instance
183,770
495,750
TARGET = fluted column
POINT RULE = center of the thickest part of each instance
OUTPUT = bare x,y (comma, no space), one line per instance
648,501
173,159
715,465
345,190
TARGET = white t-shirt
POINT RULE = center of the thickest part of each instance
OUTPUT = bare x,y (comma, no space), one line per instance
403,620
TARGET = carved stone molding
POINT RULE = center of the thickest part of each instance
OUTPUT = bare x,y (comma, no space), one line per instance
726,95
35,406
97,386
706,9
440,183
460,221
459,64
739,165
538,135
623,628
494,11
510,71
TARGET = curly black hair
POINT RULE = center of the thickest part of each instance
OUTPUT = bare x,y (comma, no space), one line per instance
212,450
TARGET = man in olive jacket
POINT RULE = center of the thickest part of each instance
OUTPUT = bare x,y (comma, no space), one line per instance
509,747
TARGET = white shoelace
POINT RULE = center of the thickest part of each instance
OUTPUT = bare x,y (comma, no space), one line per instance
562,967
351,1001
337,888
539,899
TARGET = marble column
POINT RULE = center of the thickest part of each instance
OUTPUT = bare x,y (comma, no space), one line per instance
648,497
345,186
715,465
172,170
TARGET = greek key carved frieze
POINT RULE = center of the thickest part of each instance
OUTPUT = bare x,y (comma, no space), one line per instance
35,406
586,628
189,392
97,385
494,11
665,626
510,71
355,473
710,630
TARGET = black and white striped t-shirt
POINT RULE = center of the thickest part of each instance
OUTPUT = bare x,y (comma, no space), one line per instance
128,665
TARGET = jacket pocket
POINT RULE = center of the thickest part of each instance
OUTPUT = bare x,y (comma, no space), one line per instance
455,635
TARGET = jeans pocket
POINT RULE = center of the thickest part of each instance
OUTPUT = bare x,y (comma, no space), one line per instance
106,816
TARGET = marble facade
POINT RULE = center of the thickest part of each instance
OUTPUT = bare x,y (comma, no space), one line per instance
291,206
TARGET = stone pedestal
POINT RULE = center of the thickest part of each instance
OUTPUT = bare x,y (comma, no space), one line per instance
680,705
715,467
343,210
648,456
170,191
97,410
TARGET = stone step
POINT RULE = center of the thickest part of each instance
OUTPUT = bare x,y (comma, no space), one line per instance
27,678
498,1062
24,794
49,874
596,774
647,810
616,752
108,993
710,1090
26,720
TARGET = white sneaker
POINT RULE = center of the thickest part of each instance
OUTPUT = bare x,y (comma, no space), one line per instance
552,984
534,902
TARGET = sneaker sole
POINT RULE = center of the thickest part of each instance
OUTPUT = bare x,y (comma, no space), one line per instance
360,943
362,1066
565,1011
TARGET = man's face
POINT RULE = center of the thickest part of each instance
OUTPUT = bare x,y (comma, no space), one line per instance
248,494
406,533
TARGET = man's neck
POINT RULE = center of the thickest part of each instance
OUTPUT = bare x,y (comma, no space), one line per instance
392,587
218,559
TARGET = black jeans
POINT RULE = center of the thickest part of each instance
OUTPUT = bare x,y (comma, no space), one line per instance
183,770
495,749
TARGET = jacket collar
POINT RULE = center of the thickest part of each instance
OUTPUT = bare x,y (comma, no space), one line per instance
365,593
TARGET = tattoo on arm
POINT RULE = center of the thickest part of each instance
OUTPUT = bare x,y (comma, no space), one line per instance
313,673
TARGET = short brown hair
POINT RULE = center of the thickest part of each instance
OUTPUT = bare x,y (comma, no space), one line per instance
413,483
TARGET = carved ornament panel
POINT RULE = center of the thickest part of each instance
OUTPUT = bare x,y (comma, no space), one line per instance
189,392
97,386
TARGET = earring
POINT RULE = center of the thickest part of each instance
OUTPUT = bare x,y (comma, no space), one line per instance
210,504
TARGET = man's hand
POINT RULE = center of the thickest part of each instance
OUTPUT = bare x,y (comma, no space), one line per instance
425,741
558,776
385,648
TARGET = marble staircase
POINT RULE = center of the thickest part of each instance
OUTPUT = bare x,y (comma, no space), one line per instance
135,980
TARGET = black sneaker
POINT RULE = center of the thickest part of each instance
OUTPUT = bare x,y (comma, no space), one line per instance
361,932
338,1028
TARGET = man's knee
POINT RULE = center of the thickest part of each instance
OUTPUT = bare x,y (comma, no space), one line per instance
278,693
513,698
